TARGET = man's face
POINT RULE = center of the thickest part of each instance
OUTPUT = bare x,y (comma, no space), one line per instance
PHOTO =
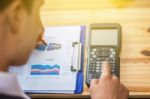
20,44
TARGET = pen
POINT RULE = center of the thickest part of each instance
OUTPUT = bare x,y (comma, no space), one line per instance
43,41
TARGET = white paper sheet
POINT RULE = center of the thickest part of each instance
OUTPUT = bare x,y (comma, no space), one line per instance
48,70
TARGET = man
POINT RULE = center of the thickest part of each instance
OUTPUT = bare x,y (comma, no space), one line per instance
20,31
20,28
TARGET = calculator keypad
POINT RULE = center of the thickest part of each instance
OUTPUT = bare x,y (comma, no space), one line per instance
97,56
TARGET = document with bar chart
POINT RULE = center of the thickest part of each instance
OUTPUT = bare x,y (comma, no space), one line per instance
48,69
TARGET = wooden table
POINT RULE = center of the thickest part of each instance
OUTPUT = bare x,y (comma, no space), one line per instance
134,17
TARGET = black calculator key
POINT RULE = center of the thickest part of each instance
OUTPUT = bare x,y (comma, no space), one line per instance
98,65
97,70
97,56
98,59
94,56
112,49
103,58
113,65
102,54
94,49
93,61
93,52
100,49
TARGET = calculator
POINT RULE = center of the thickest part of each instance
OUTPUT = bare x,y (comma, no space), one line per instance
104,45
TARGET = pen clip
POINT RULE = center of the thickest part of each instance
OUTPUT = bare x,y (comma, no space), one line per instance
76,57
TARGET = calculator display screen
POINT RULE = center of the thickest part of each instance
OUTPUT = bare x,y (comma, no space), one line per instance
104,37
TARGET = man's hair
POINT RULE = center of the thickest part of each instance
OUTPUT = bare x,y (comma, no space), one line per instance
5,3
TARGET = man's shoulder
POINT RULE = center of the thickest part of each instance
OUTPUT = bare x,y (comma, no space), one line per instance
3,96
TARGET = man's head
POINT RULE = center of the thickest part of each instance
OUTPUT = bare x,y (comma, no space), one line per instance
20,27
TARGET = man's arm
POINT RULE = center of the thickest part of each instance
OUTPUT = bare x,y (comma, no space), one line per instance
108,86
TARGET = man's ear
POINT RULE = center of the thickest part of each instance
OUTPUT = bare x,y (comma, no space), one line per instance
14,15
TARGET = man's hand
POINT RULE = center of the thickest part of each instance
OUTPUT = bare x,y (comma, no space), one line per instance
108,86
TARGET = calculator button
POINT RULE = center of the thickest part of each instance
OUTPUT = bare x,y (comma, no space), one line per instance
102,53
106,49
98,58
94,49
113,65
95,76
90,76
93,65
114,59
110,62
94,61
103,59
97,71
100,49
91,71
113,52
107,59
94,56
111,49
101,70
92,53
91,60
98,62
105,53
113,68
111,56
